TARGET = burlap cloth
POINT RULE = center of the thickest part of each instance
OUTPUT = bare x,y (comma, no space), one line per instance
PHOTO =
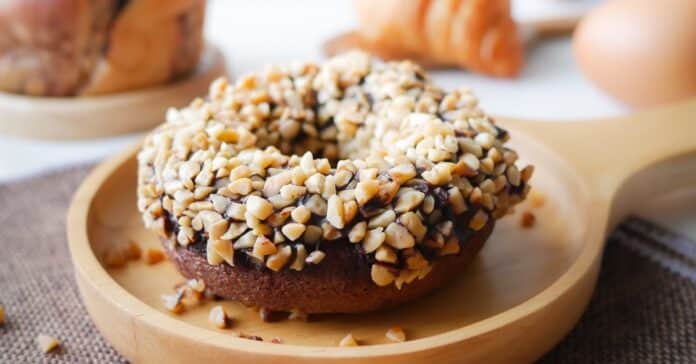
644,309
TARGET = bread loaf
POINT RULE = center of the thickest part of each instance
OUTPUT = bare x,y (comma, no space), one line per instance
478,35
92,47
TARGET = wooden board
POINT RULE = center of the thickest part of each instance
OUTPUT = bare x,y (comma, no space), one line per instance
107,115
523,293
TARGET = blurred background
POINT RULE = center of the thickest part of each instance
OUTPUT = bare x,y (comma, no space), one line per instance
549,86
252,34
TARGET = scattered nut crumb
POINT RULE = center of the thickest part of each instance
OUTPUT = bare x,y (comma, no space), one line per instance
47,343
277,340
298,315
153,256
115,259
196,284
396,334
250,337
210,296
348,340
172,302
268,315
218,317
133,251
119,256
527,220
2,315
536,198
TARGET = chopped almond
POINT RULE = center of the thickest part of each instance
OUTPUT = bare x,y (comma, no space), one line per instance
47,343
115,259
348,341
396,334
172,302
527,220
536,199
218,317
133,251
153,256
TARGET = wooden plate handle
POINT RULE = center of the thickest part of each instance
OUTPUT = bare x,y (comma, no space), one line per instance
607,152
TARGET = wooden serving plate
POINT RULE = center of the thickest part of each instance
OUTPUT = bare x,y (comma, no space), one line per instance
107,115
524,292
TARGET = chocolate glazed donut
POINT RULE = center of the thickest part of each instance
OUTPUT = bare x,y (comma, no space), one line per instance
403,192
341,283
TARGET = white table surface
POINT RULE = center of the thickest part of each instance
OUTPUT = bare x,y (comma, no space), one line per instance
255,33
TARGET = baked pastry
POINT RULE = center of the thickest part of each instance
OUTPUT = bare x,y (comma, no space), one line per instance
479,35
346,187
86,47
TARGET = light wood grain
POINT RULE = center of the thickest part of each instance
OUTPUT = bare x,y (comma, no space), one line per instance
516,301
107,115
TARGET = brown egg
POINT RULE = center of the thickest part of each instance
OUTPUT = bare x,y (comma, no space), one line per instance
642,52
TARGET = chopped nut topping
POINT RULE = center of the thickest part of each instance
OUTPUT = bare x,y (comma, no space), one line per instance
398,236
357,232
315,257
478,221
278,260
241,186
293,230
259,207
335,212
312,234
348,341
373,240
402,172
47,343
526,173
456,200
365,190
315,183
414,225
263,247
428,204
408,200
301,214
386,254
317,205
382,220
218,317
251,167
396,334
225,250
381,275
300,256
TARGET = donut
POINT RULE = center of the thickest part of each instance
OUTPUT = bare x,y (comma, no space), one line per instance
345,187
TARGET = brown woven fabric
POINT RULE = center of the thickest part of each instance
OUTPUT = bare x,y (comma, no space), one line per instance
644,310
